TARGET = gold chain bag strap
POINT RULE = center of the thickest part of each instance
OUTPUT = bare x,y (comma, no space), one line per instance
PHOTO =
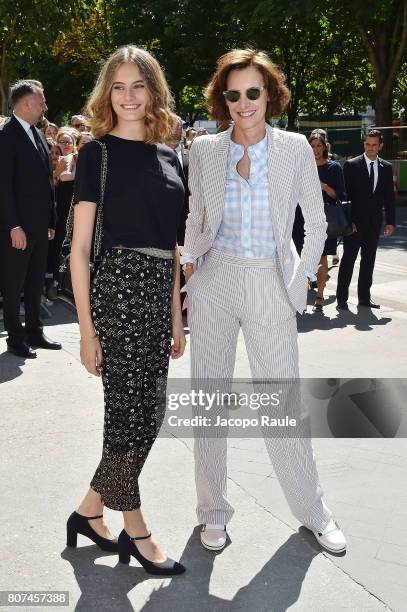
98,232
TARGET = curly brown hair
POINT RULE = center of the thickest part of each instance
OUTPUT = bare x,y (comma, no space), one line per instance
238,59
159,120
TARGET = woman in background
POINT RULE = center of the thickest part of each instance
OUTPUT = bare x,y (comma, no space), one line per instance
64,177
333,188
50,132
83,139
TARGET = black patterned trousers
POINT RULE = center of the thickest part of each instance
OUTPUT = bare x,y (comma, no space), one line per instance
131,311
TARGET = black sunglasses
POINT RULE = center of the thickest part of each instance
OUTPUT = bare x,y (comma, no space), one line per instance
233,95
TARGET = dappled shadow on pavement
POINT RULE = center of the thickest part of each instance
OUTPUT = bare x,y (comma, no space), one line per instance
102,587
364,319
10,366
276,586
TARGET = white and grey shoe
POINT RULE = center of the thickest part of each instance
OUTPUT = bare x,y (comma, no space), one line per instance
331,538
213,537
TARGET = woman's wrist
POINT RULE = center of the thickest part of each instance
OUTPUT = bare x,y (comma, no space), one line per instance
176,316
188,267
176,312
88,336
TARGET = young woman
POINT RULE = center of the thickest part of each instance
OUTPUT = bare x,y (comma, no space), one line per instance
64,176
50,131
245,183
333,187
83,139
134,309
56,153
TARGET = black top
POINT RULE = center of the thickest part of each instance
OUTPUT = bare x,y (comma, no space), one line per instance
144,193
331,173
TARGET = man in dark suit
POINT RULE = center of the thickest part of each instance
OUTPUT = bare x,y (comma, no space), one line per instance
369,184
27,217
175,143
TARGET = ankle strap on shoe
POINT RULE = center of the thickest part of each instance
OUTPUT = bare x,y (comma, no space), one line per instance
93,517
141,537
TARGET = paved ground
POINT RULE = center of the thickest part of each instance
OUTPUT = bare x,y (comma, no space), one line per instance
51,436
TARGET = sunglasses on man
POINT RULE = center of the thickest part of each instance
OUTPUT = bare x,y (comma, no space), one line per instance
233,95
78,125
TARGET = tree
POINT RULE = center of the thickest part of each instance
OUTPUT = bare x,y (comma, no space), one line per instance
25,29
192,104
76,56
186,37
382,27
325,68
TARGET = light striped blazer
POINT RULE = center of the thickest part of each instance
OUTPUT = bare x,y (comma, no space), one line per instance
293,179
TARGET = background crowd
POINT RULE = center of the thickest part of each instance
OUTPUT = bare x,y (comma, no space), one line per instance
65,141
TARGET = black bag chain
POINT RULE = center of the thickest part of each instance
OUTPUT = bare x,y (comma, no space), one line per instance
98,232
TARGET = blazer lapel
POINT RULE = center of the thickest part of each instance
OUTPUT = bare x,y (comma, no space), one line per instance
26,142
280,184
46,150
214,174
364,170
380,170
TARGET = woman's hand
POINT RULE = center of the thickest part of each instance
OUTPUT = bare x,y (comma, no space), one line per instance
328,190
60,167
188,272
178,337
91,355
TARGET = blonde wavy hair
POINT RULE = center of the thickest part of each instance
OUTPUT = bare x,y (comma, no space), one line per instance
71,132
159,120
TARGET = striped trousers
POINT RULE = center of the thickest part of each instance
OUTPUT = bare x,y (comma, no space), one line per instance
227,293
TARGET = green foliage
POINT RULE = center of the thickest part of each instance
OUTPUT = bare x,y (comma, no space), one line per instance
334,54
192,103
26,30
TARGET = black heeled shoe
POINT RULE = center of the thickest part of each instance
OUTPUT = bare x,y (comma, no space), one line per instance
77,523
318,307
169,567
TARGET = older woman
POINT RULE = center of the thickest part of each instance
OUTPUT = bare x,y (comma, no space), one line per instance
333,188
127,322
243,272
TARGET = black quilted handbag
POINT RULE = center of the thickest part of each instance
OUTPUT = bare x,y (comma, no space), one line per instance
65,283
338,218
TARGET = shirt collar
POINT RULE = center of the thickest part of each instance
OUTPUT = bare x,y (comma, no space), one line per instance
258,158
369,161
23,122
255,152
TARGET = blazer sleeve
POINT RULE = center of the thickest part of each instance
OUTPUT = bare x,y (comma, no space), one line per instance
339,182
312,207
195,220
8,209
349,186
389,198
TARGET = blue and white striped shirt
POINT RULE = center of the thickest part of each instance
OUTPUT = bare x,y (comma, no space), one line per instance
246,229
